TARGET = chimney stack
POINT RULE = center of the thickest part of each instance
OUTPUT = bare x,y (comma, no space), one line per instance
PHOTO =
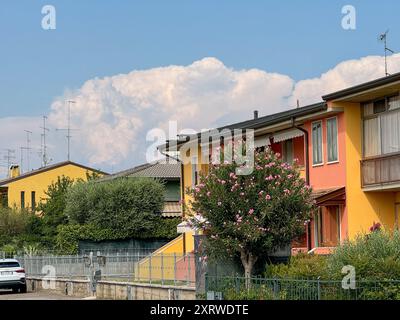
14,171
255,114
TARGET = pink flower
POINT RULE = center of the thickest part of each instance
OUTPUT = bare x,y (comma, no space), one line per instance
267,197
208,194
251,211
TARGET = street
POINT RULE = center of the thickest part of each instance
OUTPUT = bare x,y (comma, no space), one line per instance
42,295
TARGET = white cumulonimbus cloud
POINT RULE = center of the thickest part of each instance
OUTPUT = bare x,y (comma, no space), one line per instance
114,114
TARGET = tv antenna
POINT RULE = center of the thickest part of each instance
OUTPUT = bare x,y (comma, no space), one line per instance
383,38
68,129
9,157
43,150
28,149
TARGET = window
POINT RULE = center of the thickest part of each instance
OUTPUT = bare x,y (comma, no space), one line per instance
194,171
22,199
332,139
9,264
381,126
317,142
33,200
327,227
287,151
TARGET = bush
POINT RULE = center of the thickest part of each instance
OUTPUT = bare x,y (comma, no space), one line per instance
128,205
302,266
67,241
374,256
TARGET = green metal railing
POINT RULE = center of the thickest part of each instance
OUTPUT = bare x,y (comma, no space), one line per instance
234,288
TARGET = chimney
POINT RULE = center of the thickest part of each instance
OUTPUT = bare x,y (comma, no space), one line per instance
255,114
14,171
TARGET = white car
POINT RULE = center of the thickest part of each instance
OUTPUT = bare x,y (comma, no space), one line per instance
12,275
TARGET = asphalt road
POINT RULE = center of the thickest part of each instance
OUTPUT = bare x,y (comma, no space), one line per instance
45,295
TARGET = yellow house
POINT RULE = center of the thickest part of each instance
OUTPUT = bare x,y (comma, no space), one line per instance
28,189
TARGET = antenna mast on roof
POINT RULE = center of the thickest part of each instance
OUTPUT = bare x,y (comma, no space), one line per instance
43,153
28,149
9,157
68,129
383,37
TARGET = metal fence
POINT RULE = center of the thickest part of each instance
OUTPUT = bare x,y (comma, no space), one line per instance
156,268
233,288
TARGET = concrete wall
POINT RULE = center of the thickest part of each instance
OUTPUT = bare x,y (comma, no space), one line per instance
110,290
107,290
74,288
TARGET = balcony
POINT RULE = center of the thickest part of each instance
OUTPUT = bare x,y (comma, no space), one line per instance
381,173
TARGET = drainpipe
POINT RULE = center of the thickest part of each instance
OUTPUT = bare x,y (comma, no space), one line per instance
307,164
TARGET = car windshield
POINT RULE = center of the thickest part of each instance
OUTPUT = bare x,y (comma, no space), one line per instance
9,264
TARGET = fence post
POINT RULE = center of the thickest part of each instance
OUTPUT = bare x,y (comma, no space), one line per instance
275,289
319,288
150,267
174,268
188,262
206,282
162,268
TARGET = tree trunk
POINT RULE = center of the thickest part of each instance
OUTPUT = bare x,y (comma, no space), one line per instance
248,261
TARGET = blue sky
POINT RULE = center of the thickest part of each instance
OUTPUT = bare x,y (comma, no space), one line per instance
99,38
231,57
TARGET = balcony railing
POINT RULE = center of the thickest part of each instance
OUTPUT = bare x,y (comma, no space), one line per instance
380,171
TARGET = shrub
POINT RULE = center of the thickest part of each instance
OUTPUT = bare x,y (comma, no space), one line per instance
374,256
302,266
128,204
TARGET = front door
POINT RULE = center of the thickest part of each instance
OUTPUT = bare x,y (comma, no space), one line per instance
327,227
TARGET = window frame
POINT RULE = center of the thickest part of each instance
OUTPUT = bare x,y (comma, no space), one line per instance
195,171
33,200
337,140
22,199
322,143
377,116
283,148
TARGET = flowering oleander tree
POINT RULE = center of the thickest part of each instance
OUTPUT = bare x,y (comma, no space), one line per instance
251,215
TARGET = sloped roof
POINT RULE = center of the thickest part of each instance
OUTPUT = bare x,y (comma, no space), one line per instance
48,168
265,121
159,169
326,196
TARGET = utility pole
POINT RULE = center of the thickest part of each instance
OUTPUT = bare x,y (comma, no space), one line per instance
68,129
